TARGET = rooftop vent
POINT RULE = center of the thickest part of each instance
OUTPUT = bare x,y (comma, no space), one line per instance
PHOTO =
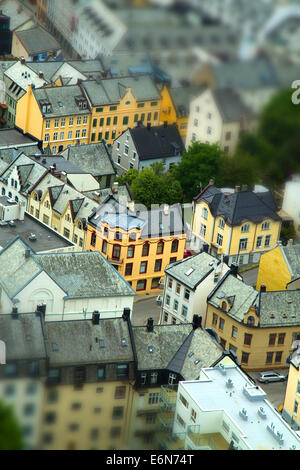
222,369
262,412
229,383
150,349
276,434
243,414
124,342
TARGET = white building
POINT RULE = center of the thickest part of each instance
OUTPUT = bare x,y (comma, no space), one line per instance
225,410
290,204
188,282
219,117
69,285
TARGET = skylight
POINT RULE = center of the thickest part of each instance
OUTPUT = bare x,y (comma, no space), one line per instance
190,271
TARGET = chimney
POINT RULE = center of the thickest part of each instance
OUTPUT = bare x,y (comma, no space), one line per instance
126,314
63,175
205,247
115,188
150,322
263,288
148,126
166,209
41,74
96,317
40,310
27,252
290,242
197,321
237,189
234,269
22,60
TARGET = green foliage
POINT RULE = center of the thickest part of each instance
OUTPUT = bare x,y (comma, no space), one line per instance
238,170
128,178
10,433
198,165
287,232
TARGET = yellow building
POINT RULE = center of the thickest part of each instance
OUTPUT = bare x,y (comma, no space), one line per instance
259,327
119,103
175,104
242,224
291,408
139,244
279,268
56,115
88,394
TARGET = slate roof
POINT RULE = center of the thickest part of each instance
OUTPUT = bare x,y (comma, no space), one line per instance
292,255
171,346
37,40
230,105
14,138
153,223
112,90
84,274
122,194
239,206
181,97
92,158
279,308
29,172
240,295
61,163
202,265
60,94
157,141
23,337
77,341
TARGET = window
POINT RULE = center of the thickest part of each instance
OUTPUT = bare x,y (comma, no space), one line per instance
251,321
153,378
267,240
176,305
247,339
99,135
183,401
83,133
187,294
70,134
157,266
184,311
99,110
120,392
202,230
130,251
63,122
125,120
295,410
259,241
55,136
172,379
228,135
95,122
101,373
56,123
47,136
172,260
196,122
66,233
141,284
245,358
209,130
174,247
281,337
143,267
204,213
118,412
168,298
245,228
180,420
47,123
215,319
160,248
221,224
272,339
170,283
221,324
141,105
128,269
116,252
118,236
178,287
193,415
219,239
278,356
143,378
104,246
265,226
10,370
243,244
78,120
166,317
232,348
52,396
71,120
153,398
122,371
50,417
115,432
234,332
269,358
93,138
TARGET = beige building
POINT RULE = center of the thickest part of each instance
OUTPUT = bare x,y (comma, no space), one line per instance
219,116
291,409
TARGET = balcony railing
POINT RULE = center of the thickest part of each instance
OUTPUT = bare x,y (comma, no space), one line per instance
170,441
166,418
206,441
168,395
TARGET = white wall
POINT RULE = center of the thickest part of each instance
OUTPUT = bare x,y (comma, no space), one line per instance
291,202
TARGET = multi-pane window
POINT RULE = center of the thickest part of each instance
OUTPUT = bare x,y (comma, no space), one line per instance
70,134
153,378
267,240
269,358
221,223
215,319
55,136
245,228
78,120
47,136
234,332
63,122
247,339
183,400
47,123
130,251
178,287
141,284
180,420
245,358
265,226
71,121
184,311
128,269
118,412
202,230
143,267
221,324
120,392
243,244
172,379
219,239
281,338
145,250
204,213
170,283
176,305
157,266
187,294
56,123
153,398
278,356
272,339
168,298
116,252
174,246
259,241
160,248
61,136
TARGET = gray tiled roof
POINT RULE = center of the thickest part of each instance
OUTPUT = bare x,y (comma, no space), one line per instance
202,264
84,274
230,105
172,347
23,337
29,172
292,254
112,90
77,341
60,94
92,158
37,40
279,308
240,295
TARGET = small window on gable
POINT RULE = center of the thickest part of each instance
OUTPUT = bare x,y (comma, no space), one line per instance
224,305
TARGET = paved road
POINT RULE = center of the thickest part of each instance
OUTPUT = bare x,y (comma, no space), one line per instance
143,309
275,391
250,276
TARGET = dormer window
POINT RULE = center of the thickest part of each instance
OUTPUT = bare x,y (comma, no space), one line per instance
81,102
45,106
224,305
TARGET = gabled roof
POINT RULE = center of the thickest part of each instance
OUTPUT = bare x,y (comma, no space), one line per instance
37,40
239,206
157,141
230,105
92,158
62,100
292,255
279,308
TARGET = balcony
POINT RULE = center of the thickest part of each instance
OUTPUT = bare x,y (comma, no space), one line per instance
166,417
211,441
118,261
168,395
170,441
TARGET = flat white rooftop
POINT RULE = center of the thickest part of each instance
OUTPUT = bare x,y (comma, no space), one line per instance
212,393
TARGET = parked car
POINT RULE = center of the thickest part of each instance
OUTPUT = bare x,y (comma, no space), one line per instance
271,376
187,253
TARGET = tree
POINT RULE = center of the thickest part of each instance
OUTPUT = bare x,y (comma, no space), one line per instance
239,169
198,165
129,177
10,432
